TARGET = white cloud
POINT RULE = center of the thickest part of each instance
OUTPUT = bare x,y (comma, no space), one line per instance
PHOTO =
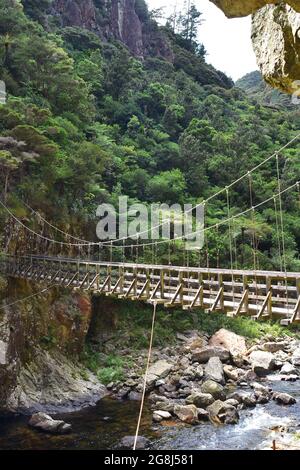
228,42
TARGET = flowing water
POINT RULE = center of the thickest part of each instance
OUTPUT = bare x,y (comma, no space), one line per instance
101,427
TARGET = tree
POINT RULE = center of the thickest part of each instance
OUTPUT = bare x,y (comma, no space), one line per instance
189,22
12,154
168,187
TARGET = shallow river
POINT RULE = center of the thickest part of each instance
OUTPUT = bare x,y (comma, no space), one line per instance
101,427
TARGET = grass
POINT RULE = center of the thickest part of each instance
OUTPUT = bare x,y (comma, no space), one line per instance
135,323
107,368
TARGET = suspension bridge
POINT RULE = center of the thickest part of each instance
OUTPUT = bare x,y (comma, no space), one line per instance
259,294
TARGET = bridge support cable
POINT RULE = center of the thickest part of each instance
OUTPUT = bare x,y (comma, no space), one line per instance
278,233
282,230
230,243
145,377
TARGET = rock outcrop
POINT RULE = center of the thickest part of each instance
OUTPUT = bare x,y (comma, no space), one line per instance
275,37
238,8
40,342
118,19
276,42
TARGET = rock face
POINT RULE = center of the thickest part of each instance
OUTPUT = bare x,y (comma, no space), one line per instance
237,8
117,19
39,349
275,37
276,41
45,423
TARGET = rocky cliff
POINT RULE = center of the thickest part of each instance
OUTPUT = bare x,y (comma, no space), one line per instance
40,344
275,36
124,20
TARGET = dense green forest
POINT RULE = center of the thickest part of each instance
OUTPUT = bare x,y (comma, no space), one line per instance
87,122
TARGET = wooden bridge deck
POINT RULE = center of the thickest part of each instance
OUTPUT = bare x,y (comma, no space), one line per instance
258,294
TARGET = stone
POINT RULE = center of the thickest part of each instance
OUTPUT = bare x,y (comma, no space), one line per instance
159,415
262,362
214,389
214,370
134,396
288,369
127,443
167,406
274,347
296,357
230,341
187,413
233,373
158,370
199,373
45,423
199,399
204,354
246,399
284,398
221,412
3,353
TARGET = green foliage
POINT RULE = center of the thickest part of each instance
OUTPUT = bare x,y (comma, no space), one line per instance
90,122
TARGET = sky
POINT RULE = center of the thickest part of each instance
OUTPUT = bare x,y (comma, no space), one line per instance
228,42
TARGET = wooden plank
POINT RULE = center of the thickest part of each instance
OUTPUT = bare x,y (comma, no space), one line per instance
219,300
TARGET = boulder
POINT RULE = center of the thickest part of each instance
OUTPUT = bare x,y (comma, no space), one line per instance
127,443
221,412
296,357
134,396
199,399
246,399
262,362
230,341
159,415
274,347
204,354
284,398
186,413
45,423
288,369
214,370
213,388
233,373
158,370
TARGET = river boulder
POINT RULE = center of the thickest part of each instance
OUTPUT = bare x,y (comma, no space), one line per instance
214,370
45,423
204,354
199,399
235,344
284,398
187,413
213,388
262,362
221,412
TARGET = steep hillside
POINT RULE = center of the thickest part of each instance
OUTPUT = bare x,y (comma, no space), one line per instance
90,117
255,87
